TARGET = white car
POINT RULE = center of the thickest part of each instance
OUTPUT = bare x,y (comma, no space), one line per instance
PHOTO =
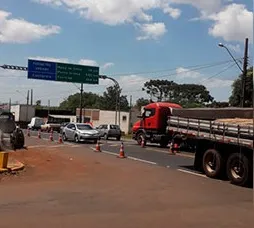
80,132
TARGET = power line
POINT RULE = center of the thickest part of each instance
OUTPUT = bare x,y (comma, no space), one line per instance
215,75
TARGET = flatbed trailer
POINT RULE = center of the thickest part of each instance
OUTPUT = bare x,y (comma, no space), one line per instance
221,149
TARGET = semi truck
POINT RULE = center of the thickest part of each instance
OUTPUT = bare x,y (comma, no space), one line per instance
222,150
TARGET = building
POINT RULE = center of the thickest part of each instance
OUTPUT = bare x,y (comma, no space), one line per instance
98,117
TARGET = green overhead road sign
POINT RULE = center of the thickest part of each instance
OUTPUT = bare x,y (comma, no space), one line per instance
45,70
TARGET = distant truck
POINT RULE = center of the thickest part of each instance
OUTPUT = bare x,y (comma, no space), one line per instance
221,149
23,114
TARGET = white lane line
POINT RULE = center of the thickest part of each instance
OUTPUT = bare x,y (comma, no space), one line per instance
104,151
36,146
141,160
193,173
178,154
75,146
132,158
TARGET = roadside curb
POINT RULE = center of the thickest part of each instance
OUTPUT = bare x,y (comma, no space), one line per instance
18,166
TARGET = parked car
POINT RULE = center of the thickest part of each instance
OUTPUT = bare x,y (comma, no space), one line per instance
80,132
35,123
62,126
109,130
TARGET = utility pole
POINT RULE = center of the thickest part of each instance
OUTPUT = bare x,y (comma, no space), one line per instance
81,103
10,105
48,107
119,107
27,103
244,74
31,96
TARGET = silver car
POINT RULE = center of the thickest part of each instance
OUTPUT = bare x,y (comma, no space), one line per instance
109,131
80,132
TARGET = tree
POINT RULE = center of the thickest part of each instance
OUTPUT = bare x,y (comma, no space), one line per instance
142,102
235,98
158,88
188,95
108,101
38,103
90,100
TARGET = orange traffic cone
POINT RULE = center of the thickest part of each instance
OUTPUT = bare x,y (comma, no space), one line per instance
98,147
39,134
60,139
171,149
121,153
143,142
51,136
28,132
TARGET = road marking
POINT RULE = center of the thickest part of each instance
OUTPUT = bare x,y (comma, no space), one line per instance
56,146
193,173
104,151
141,160
74,146
36,146
132,158
178,154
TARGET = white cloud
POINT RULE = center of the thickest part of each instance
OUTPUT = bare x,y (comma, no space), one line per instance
217,83
50,59
88,62
233,23
203,5
107,65
20,31
173,12
183,73
48,2
236,48
152,31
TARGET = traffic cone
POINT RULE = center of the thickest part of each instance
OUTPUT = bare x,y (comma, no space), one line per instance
143,142
171,149
121,152
98,147
60,139
39,134
51,136
28,132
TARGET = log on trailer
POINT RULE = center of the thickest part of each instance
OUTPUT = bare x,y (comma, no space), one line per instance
213,113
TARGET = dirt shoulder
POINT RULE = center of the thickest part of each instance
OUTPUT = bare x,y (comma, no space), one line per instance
76,187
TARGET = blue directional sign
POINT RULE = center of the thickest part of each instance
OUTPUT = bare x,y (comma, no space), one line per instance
41,70
45,70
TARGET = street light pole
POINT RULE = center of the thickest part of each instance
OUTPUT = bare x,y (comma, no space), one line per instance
117,96
81,103
244,70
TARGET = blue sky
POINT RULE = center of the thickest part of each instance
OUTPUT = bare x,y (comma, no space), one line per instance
161,38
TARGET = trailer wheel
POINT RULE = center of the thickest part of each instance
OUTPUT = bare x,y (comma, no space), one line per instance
212,163
239,169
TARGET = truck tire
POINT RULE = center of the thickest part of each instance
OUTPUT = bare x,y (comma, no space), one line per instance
212,163
239,169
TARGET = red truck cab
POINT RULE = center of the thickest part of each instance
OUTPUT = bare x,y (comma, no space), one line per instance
153,124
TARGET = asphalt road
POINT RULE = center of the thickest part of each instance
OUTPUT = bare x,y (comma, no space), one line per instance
151,154
81,188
